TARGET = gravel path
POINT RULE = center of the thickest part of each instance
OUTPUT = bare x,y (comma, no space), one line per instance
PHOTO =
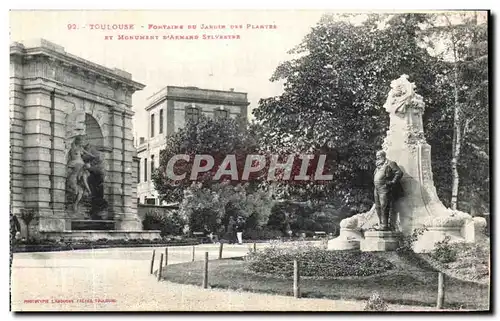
119,280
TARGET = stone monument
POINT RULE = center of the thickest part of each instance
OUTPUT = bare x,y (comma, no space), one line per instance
72,145
419,205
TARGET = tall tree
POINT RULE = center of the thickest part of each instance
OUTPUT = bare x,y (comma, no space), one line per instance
207,136
461,39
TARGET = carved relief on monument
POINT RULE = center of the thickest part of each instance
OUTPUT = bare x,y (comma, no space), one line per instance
402,96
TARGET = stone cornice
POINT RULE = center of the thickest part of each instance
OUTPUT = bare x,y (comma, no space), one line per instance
197,100
81,66
121,111
50,85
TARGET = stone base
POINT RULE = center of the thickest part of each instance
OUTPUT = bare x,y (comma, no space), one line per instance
92,225
348,239
427,241
343,245
380,241
97,235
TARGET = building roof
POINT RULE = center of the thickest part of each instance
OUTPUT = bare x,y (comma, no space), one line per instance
198,95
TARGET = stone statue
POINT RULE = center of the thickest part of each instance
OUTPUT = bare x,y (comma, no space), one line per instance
78,171
386,179
413,198
401,95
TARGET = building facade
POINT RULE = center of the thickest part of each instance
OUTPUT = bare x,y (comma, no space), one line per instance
168,110
60,105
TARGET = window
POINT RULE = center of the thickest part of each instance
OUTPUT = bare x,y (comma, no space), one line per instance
221,114
192,114
145,169
139,172
152,125
151,201
138,200
152,164
161,121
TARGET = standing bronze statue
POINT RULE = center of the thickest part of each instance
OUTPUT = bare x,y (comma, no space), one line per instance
386,180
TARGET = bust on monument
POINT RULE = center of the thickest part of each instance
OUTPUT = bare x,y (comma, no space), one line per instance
386,179
402,96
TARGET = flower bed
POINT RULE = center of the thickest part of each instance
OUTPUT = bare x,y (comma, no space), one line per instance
316,262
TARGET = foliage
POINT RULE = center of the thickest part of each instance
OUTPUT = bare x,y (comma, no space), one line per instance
315,262
214,205
171,224
262,234
213,137
307,217
408,241
333,97
28,215
460,40
37,245
338,79
376,303
206,201
444,252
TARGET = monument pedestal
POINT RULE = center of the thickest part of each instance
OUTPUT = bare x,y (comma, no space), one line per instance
380,241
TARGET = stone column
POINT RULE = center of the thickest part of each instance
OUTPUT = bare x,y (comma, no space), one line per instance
121,171
130,220
40,156
115,164
62,105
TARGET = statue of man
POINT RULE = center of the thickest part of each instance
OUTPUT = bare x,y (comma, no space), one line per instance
386,177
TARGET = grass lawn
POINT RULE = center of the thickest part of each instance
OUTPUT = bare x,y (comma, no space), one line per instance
406,286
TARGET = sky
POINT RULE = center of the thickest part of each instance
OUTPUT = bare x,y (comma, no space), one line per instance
245,64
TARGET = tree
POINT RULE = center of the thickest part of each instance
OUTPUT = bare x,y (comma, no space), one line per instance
333,97
169,223
465,39
217,138
213,205
205,200
28,215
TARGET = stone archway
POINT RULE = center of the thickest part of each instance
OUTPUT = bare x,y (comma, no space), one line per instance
93,132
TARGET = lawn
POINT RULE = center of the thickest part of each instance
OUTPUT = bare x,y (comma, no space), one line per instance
406,286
